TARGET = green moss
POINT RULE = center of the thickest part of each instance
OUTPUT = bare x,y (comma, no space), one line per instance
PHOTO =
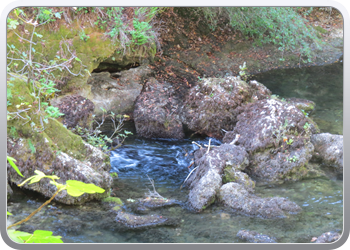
229,175
117,208
114,200
55,136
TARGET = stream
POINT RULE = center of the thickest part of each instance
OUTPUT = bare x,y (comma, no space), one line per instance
166,163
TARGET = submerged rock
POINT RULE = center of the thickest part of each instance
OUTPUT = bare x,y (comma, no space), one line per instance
150,202
328,237
236,197
143,222
156,112
254,237
329,150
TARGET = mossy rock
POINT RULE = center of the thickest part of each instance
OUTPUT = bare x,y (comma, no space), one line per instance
55,150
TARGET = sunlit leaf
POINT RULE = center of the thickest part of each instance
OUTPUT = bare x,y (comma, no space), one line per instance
16,236
77,188
41,236
11,161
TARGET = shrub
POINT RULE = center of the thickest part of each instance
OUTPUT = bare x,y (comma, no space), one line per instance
282,26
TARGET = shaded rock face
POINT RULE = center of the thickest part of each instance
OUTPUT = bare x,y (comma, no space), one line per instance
236,197
255,237
276,135
214,104
156,112
77,110
328,150
93,169
117,92
9,191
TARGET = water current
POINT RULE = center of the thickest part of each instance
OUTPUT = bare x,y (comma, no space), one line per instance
166,163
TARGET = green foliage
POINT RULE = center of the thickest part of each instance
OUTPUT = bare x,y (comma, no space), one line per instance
47,15
306,114
31,146
77,188
290,141
38,236
113,175
142,32
83,36
140,35
292,159
42,74
53,112
282,26
243,72
13,132
14,166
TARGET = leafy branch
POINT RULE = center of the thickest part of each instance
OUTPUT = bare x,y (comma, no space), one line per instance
74,188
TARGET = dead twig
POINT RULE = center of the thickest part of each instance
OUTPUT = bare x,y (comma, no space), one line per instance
153,194
188,176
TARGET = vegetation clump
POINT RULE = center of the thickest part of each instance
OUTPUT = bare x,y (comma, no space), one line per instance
282,26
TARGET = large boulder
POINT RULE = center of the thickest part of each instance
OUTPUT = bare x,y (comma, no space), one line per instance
276,134
54,150
117,92
92,169
328,150
156,113
214,103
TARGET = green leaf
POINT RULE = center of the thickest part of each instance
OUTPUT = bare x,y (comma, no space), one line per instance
77,59
41,236
35,178
11,161
77,188
8,213
47,12
31,146
16,236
